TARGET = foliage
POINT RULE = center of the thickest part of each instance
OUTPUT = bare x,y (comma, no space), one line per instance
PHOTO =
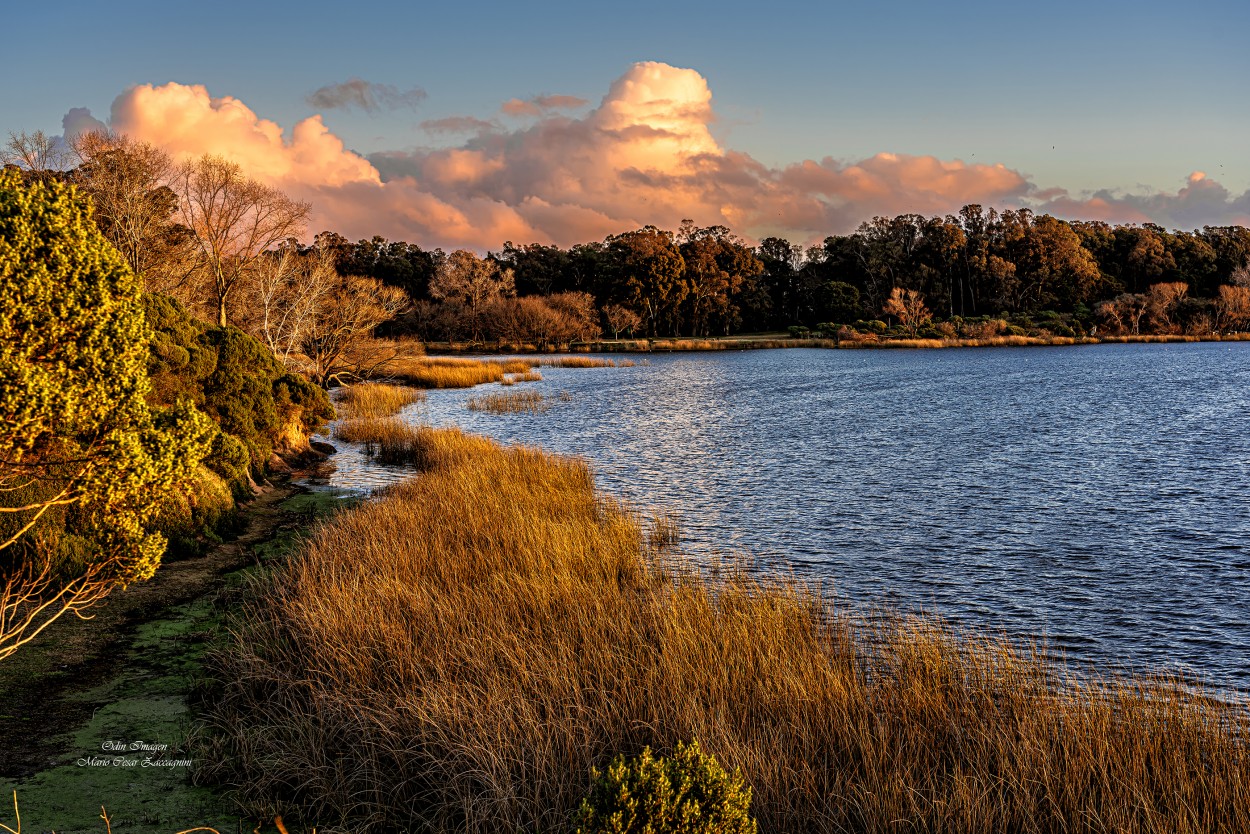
689,793
83,457
257,405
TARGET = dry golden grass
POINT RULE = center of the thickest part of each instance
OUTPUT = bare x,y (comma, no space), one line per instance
512,402
454,372
457,655
391,441
577,362
375,399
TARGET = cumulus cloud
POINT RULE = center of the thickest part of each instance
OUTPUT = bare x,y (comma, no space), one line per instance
366,95
79,121
644,154
1201,201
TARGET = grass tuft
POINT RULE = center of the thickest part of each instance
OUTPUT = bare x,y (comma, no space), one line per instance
512,402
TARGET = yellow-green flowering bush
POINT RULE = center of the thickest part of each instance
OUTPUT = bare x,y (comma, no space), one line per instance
688,793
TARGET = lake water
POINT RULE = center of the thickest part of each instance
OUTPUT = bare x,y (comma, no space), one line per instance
1092,496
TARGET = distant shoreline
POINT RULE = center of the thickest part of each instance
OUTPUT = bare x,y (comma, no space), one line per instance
684,344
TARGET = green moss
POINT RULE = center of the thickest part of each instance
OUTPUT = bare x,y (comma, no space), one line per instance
144,704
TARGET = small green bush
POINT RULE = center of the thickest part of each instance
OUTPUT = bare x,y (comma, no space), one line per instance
689,793
874,326
797,331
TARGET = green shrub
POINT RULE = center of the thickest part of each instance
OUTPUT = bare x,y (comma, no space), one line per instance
257,405
1013,330
875,326
798,331
689,793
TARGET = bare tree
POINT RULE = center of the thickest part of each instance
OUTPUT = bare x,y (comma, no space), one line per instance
38,154
233,221
131,184
908,307
621,319
343,318
472,281
1232,307
1125,309
1162,301
286,292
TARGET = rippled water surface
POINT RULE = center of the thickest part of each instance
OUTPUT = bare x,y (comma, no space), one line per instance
1094,496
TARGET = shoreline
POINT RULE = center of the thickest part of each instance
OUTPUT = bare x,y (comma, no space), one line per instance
690,344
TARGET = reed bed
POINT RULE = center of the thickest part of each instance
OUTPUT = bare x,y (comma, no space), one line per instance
511,402
375,399
454,372
458,654
577,362
393,442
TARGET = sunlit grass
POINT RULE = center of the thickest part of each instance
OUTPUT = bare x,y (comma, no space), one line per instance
577,362
374,399
458,654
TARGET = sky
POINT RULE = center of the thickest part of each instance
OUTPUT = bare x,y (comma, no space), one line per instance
470,124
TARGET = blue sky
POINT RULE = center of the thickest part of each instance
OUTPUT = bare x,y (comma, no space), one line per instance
1081,96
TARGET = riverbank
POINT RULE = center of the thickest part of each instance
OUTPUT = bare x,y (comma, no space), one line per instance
96,712
459,653
775,341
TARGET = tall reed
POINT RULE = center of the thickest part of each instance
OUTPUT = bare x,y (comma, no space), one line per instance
457,655
375,399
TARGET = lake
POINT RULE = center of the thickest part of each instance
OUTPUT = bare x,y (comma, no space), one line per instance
1092,496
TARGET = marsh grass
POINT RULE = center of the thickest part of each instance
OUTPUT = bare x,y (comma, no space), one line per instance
457,655
577,362
511,402
454,372
375,399
393,442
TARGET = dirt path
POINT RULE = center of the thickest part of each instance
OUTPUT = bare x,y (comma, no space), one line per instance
87,708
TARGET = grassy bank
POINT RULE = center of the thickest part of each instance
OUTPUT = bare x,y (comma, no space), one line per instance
128,676
458,654
863,342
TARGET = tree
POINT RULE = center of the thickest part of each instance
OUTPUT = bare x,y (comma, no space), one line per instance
621,320
650,275
472,281
232,221
342,317
1162,300
1232,307
908,307
286,292
130,185
84,461
38,155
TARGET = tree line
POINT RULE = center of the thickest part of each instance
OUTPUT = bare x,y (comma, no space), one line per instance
230,250
908,272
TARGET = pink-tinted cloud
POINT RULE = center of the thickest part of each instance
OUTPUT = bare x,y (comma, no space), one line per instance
645,154
1201,201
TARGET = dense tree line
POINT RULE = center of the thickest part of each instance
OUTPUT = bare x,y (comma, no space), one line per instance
977,264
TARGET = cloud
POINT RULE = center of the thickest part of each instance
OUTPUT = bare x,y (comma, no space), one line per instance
79,121
1200,202
366,95
644,154
459,124
541,105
